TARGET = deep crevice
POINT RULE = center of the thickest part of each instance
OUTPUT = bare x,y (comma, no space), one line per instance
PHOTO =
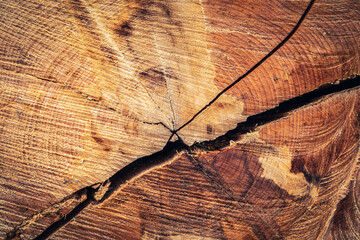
280,111
124,175
67,218
141,165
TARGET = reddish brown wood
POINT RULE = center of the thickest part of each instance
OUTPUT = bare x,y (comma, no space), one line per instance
87,88
283,180
346,221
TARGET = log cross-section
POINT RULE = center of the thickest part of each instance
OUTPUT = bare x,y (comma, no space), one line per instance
191,119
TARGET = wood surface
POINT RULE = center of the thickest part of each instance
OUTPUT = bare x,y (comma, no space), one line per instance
124,116
283,180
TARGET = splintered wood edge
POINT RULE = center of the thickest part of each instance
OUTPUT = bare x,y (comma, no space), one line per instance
177,150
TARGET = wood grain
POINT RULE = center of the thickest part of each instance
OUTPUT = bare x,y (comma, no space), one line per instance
177,56
285,180
346,221
89,87
54,141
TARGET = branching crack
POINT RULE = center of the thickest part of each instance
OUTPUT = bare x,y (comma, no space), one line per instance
98,193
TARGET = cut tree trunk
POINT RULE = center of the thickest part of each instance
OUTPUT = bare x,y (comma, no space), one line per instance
192,119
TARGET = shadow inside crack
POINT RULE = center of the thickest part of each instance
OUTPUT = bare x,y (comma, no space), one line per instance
68,217
98,193
282,110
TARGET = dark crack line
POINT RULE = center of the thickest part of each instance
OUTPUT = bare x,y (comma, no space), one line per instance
17,231
67,218
171,149
124,175
141,165
255,66
278,112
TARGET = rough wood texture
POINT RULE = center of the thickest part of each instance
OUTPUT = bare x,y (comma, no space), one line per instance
346,220
90,87
284,180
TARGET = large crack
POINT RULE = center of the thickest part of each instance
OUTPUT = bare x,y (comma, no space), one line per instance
98,193
278,112
53,209
68,217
